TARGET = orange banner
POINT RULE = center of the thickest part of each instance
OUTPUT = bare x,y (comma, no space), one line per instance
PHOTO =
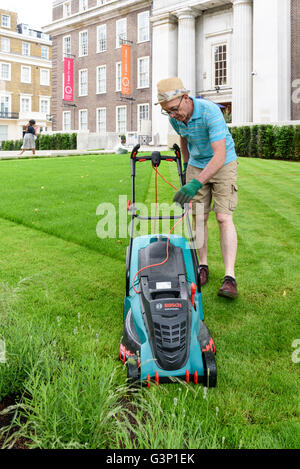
125,69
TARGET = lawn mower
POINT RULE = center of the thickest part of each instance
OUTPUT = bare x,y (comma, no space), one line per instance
164,337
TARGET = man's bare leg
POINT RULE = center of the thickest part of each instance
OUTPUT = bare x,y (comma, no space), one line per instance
228,239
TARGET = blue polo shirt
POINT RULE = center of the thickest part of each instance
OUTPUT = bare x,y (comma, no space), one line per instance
207,125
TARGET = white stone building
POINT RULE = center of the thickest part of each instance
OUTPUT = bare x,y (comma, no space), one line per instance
233,52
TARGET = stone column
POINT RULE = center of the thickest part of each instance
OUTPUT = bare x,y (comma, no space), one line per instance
242,80
164,65
187,48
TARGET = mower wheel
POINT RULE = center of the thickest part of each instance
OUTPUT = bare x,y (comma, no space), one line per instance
133,372
210,369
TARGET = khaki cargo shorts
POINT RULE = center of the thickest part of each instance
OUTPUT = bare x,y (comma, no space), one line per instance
222,188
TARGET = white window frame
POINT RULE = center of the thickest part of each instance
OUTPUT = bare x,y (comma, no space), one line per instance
46,99
80,112
9,71
104,41
139,61
45,49
98,90
3,135
118,76
83,5
119,129
3,25
83,51
29,97
8,98
44,82
81,90
26,49
3,41
66,51
67,9
144,16
67,126
122,21
25,67
98,110
138,115
213,75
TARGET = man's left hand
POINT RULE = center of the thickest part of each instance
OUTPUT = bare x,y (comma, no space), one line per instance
187,192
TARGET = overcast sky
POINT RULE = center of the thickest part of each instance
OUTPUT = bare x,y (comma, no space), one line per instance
34,13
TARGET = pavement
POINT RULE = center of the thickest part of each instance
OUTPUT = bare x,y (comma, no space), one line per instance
14,155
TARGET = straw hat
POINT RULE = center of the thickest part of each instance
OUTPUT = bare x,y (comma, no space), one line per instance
170,88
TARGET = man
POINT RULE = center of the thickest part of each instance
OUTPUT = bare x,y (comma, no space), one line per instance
210,162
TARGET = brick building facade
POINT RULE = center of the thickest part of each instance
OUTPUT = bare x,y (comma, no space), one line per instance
88,31
25,77
295,59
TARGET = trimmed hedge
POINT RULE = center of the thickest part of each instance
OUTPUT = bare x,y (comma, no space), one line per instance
45,142
267,141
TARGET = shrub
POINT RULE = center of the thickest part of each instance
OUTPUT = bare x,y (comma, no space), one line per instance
285,143
297,142
253,142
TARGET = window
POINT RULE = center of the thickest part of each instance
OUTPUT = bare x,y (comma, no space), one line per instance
101,2
118,75
44,77
67,121
143,72
5,71
66,46
101,38
26,49
5,105
143,26
101,79
220,65
67,9
121,119
101,120
5,21
83,119
143,114
83,82
83,5
121,31
25,104
3,132
45,104
45,52
25,74
83,43
5,44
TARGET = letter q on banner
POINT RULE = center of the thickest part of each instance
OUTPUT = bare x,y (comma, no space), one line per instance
125,69
68,79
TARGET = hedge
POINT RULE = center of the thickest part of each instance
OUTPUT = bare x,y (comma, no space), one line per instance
267,141
45,142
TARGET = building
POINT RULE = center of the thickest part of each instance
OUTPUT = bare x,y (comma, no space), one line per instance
25,77
244,54
91,32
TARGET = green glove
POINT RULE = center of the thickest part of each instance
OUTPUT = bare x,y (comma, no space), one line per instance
187,192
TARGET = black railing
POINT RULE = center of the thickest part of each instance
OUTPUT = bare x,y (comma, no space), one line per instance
9,115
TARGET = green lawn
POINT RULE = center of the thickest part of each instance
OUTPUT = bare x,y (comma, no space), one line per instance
61,313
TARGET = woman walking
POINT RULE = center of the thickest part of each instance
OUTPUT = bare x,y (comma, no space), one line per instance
29,137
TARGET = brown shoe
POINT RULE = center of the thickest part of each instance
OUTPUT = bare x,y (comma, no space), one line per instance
228,288
204,273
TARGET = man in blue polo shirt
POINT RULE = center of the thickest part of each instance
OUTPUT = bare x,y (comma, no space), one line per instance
210,163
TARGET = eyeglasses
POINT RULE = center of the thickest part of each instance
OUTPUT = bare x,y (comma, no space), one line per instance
172,111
